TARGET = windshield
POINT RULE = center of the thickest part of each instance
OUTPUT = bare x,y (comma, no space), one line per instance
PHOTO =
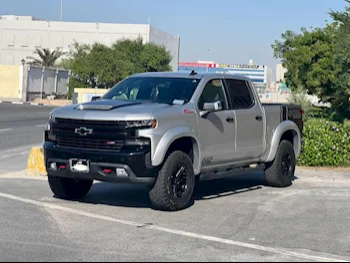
154,89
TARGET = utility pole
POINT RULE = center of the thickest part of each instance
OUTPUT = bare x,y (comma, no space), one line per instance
61,15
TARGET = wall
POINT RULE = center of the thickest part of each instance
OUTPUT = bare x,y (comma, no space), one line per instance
10,82
43,82
85,95
170,42
18,38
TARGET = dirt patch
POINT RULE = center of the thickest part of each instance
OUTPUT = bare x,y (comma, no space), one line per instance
57,103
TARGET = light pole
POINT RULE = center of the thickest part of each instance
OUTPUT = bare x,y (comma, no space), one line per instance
61,15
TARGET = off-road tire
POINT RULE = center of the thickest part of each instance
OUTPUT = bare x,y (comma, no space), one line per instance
69,189
162,194
274,174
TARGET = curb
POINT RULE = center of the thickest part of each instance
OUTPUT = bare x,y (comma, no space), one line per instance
35,163
23,103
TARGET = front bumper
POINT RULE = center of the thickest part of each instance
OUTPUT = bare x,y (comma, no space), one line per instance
136,164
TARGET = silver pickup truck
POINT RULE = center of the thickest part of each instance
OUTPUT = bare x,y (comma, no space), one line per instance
165,130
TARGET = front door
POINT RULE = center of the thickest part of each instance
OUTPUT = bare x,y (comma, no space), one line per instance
249,120
217,129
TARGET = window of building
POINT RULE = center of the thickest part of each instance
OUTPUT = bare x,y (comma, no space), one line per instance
10,40
240,94
24,42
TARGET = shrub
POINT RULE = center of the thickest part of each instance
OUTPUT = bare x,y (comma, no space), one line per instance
326,143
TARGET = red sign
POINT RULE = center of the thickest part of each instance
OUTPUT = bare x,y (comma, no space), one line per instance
196,65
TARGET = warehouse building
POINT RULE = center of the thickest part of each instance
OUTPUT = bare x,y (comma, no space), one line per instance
21,35
260,75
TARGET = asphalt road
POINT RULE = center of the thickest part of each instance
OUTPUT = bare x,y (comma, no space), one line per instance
237,219
21,127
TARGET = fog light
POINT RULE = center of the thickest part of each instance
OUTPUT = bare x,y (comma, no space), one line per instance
53,166
121,172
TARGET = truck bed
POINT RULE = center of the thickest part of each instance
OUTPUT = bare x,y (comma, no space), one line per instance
290,112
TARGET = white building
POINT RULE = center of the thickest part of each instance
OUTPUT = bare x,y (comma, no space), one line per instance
20,36
280,72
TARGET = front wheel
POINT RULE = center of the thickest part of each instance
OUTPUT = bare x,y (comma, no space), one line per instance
280,173
174,186
69,189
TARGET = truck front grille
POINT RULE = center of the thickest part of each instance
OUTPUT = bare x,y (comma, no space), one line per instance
97,135
88,143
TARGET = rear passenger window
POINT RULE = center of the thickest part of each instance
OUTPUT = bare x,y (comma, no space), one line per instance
240,94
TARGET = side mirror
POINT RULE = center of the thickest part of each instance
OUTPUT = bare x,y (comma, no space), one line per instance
211,107
95,98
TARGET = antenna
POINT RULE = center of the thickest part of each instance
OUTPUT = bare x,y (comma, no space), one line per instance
193,73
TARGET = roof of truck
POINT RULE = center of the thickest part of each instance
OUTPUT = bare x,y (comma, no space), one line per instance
188,75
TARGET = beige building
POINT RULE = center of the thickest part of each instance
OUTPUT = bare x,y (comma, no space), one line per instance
20,35
280,72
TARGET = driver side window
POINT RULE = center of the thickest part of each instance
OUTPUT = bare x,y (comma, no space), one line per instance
213,92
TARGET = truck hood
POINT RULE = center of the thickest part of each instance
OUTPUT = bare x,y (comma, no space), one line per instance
109,110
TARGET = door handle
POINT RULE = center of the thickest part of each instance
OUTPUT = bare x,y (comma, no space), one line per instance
259,118
230,120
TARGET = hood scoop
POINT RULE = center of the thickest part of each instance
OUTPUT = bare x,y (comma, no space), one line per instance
105,105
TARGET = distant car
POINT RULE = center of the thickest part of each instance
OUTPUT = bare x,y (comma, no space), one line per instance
165,130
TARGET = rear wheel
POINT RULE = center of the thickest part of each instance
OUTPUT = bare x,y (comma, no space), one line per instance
280,173
69,189
174,186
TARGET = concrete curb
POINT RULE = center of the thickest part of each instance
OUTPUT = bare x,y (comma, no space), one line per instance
23,103
36,164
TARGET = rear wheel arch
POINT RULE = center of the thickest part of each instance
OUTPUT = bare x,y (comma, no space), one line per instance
288,131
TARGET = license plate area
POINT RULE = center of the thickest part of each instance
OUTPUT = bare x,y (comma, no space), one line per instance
79,165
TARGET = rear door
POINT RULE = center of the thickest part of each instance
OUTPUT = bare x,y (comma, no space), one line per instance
248,120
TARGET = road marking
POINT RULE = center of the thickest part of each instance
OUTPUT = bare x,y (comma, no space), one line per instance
41,126
18,103
279,251
4,130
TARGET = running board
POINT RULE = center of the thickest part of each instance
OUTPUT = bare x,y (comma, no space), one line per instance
231,172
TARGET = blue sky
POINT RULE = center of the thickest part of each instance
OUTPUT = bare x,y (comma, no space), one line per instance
225,31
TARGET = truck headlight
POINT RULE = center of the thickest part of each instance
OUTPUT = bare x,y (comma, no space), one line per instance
146,124
49,136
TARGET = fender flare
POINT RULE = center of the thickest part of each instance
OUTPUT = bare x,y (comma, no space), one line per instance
169,137
282,128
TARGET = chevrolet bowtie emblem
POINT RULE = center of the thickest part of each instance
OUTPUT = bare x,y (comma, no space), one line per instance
83,131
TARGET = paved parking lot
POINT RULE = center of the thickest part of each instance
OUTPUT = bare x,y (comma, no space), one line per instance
236,219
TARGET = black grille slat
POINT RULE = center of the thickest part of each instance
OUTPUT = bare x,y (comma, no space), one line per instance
73,142
104,133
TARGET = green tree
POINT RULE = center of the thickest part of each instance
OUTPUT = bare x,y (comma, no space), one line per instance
342,102
47,58
312,61
102,66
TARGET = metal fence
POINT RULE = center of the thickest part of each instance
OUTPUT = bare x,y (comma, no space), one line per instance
43,82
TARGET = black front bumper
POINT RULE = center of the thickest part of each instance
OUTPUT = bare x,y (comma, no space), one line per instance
137,164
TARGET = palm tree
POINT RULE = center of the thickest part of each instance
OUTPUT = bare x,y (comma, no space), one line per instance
47,58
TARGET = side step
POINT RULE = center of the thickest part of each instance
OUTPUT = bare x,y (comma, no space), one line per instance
231,172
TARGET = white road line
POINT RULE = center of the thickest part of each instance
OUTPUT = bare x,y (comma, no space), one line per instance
41,126
279,251
4,130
